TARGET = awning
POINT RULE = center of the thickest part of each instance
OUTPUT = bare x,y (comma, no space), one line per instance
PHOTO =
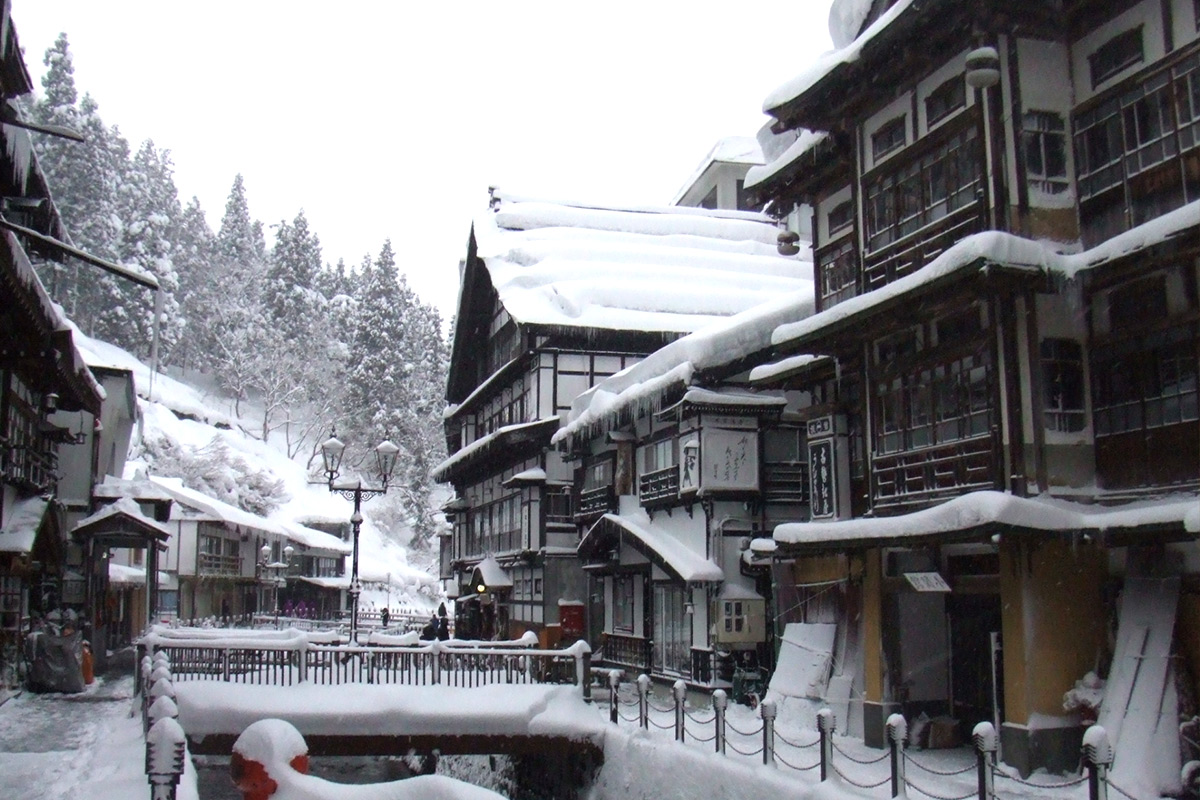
23,525
634,528
489,576
977,516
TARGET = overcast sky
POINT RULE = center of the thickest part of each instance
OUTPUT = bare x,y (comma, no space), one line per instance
391,119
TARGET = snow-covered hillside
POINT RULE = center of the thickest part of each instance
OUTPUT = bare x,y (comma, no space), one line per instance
176,415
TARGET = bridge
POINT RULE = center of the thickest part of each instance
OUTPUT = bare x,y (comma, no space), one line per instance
392,695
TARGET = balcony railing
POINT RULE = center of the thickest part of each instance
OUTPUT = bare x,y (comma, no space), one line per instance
660,485
917,477
594,502
626,651
914,251
785,482
216,564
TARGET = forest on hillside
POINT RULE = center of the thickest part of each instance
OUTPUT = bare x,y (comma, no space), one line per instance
297,345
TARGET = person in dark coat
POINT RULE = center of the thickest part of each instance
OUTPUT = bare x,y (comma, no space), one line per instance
429,632
383,616
443,624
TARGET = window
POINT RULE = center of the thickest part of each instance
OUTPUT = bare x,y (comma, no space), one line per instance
623,586
945,99
891,136
1119,52
838,269
924,191
710,199
1062,385
598,475
658,455
1133,304
1146,383
840,216
1045,141
933,404
735,616
12,602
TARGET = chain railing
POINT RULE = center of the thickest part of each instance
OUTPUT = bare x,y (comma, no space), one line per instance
1097,754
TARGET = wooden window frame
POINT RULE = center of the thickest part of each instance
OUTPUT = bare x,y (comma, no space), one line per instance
1118,50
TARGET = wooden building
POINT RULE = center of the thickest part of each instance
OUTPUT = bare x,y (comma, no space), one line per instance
556,297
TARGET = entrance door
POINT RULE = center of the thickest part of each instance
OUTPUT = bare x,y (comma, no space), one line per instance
672,630
974,618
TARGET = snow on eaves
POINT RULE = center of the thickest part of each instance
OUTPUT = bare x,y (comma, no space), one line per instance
784,366
232,515
24,520
462,454
687,564
1005,249
721,343
827,62
805,142
977,509
729,396
667,269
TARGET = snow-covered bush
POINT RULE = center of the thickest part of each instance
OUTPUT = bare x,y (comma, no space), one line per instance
217,472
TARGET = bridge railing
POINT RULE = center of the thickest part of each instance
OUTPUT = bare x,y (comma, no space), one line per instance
285,658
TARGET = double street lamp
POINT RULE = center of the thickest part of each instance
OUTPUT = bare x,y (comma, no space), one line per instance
275,573
385,461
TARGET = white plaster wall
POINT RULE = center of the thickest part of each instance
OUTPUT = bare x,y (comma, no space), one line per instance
1183,22
1148,14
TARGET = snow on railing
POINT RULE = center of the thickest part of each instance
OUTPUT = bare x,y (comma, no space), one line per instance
285,658
866,773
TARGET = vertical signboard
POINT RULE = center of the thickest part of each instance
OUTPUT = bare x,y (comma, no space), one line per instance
828,468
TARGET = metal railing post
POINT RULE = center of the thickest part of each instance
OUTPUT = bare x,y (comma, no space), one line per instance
225,664
435,653
679,692
984,737
1098,756
302,652
720,702
584,673
643,687
826,725
767,707
614,683
897,732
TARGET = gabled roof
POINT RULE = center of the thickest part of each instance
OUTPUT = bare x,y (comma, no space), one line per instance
742,150
634,527
668,269
514,439
24,521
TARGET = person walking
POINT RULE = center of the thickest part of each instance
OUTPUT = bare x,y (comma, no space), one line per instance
384,615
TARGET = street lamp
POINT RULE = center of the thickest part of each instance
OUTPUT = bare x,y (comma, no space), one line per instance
275,573
385,461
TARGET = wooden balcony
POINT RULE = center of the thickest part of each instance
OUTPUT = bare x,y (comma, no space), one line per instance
632,652
594,502
910,253
659,487
785,482
924,476
216,565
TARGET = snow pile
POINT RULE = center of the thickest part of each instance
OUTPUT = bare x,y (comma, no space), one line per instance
1086,696
846,18
652,269
804,143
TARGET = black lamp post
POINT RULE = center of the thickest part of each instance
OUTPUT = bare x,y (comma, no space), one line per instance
275,574
385,461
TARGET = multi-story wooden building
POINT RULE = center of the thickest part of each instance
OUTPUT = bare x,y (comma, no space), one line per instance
555,298
997,393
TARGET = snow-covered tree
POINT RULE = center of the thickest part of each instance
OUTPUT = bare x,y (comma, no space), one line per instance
289,298
195,249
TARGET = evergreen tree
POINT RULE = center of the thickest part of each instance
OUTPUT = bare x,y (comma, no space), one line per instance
240,243
289,298
195,247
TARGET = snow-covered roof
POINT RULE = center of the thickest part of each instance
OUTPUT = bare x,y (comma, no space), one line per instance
978,509
128,507
673,554
730,396
142,489
492,574
827,62
123,575
232,515
442,471
995,247
670,269
764,373
805,142
529,476
719,344
24,520
730,150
